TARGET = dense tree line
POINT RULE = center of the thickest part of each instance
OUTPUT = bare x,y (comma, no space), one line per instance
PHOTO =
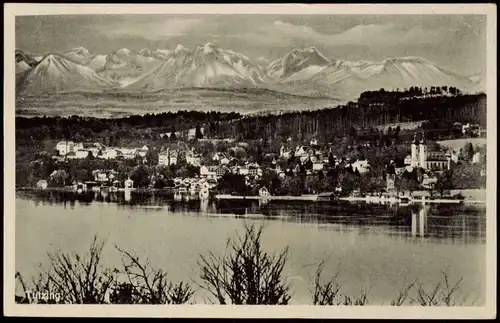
371,110
148,125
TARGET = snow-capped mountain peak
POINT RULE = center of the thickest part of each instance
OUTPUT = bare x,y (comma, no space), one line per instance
180,49
208,48
162,53
124,52
308,61
55,73
145,52
82,51
206,66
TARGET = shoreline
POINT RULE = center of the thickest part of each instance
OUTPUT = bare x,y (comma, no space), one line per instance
305,197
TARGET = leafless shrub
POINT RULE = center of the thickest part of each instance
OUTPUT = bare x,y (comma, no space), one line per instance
146,285
325,293
442,294
75,279
247,275
403,294
360,300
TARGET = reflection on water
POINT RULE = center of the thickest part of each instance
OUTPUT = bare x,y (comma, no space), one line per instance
454,222
376,247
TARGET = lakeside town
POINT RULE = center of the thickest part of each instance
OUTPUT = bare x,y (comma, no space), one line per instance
227,168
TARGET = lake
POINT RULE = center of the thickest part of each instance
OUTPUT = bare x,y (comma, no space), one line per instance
373,248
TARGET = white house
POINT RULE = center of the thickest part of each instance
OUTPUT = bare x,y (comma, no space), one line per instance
218,156
163,158
361,165
65,147
111,153
168,157
192,158
264,192
284,152
129,183
42,184
128,153
81,154
208,171
476,158
318,166
243,171
78,146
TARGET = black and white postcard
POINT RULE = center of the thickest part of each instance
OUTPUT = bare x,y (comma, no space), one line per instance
328,161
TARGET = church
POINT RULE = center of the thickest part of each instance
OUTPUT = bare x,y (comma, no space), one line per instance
421,156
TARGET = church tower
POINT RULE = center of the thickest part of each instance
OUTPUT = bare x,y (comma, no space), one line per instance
423,153
414,152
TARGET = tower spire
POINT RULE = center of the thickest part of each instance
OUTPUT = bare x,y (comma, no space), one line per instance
422,141
414,139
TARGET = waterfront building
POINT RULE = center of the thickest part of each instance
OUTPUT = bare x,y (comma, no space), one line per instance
42,184
264,192
129,183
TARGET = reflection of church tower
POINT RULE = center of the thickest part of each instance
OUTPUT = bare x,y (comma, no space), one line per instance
423,153
419,221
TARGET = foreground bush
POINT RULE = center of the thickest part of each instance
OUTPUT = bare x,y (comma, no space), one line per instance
247,274
82,280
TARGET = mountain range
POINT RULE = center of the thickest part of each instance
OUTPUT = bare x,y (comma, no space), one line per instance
304,71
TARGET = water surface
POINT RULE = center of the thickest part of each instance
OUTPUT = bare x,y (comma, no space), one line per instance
374,248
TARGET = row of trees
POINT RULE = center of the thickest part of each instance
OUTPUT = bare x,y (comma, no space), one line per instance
336,122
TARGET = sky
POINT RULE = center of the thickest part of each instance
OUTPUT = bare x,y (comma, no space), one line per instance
456,42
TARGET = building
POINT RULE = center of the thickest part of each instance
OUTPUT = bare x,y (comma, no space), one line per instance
429,182
391,184
128,153
284,152
111,154
208,171
264,192
64,147
168,157
129,183
318,166
81,154
143,151
192,133
302,151
192,158
218,156
243,170
423,158
476,158
221,171
42,184
361,165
